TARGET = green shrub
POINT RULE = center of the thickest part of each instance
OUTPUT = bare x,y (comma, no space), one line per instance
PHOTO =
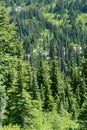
51,121
62,122
47,121
15,127
38,121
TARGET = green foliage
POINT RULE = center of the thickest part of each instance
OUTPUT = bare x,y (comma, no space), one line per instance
83,112
48,75
57,84
83,116
38,121
15,127
51,121
61,122
13,77
44,83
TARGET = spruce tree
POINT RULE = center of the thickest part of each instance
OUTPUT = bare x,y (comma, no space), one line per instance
83,110
57,84
13,80
43,79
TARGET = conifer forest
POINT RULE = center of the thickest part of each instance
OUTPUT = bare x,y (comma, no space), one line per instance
43,64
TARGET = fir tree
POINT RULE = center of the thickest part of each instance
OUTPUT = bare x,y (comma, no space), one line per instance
43,79
57,84
12,73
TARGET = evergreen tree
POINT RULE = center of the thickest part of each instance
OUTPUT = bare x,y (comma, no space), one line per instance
57,84
13,79
83,110
35,89
43,80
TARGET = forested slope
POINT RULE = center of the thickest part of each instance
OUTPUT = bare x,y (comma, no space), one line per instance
43,64
42,24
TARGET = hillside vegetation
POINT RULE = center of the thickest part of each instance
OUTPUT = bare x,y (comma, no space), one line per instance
43,64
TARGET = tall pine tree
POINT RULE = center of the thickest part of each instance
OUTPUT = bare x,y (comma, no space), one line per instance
13,80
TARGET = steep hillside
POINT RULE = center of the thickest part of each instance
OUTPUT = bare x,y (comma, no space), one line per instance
43,64
43,25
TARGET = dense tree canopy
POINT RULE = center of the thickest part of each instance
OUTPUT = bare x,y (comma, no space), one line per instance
43,64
